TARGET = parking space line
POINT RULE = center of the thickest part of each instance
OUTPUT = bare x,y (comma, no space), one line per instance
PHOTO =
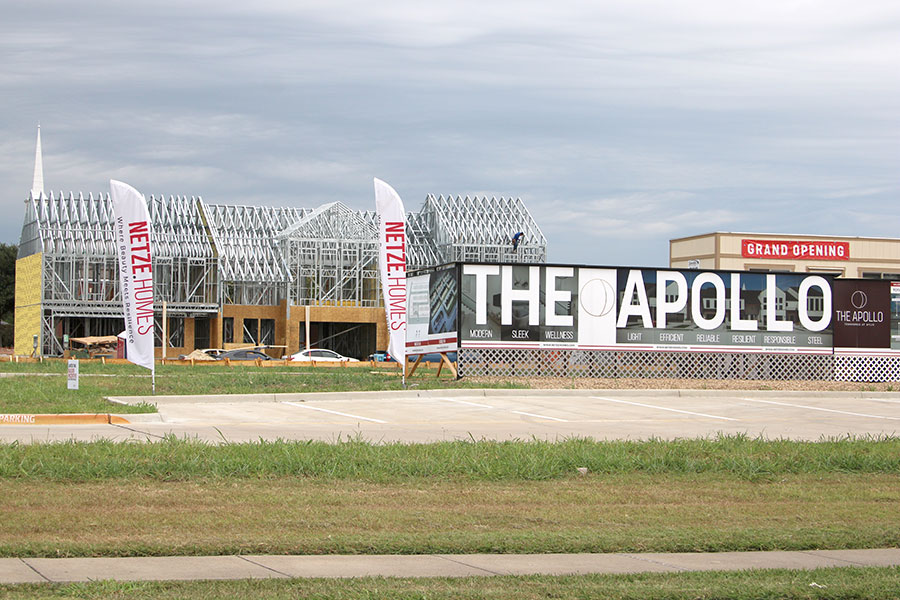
831,410
522,412
518,412
686,412
334,412
465,402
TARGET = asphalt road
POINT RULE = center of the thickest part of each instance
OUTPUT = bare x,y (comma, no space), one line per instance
427,416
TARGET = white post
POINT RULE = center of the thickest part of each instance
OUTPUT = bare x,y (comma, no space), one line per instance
307,327
165,331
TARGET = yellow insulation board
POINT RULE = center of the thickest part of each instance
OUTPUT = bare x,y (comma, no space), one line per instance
28,303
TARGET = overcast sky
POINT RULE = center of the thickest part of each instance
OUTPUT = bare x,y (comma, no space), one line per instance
620,124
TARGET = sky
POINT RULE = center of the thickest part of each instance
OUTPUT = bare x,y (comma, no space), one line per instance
621,125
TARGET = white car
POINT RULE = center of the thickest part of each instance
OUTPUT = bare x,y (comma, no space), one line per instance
320,355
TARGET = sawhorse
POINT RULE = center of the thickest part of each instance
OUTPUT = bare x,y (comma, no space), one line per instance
444,359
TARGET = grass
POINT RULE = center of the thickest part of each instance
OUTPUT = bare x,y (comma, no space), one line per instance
172,459
835,584
41,387
617,513
190,497
179,497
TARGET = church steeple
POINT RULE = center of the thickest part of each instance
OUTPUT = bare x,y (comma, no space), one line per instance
37,185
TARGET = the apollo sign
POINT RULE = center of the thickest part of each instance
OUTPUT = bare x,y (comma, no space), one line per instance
862,314
566,306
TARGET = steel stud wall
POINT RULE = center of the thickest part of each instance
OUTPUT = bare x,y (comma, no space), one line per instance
208,255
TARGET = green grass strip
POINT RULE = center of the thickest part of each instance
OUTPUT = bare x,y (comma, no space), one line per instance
836,584
41,388
180,459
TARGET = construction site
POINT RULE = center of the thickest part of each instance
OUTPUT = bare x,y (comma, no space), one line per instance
228,276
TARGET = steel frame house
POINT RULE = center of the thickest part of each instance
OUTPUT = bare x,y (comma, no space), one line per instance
209,257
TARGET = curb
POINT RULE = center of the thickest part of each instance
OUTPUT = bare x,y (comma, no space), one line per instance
62,419
484,393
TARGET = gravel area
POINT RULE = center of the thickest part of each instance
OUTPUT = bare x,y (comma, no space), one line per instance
584,383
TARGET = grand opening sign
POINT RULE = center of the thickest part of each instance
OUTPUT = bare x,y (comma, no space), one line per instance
795,249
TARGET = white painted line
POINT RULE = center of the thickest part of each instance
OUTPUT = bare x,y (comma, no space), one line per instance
831,410
464,402
883,400
686,412
518,412
521,412
334,412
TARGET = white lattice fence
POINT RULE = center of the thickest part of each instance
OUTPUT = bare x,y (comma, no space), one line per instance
680,365
854,367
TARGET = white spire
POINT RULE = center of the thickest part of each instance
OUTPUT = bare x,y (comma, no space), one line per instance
37,185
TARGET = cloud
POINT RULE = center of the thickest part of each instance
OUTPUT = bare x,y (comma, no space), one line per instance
629,122
636,214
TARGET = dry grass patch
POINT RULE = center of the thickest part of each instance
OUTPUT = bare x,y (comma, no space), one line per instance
613,513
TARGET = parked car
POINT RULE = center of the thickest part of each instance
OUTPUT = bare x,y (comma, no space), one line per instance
321,355
244,355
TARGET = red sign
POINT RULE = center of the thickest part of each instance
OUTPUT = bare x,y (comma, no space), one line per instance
795,249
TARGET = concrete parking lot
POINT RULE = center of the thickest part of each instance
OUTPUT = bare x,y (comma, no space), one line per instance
425,416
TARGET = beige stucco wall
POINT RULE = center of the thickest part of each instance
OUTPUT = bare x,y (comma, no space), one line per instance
702,248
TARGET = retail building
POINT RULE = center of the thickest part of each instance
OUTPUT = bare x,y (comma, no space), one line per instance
841,256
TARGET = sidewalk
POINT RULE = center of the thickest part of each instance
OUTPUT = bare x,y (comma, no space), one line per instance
62,570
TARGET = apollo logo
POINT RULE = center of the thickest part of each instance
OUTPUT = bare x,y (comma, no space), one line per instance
597,297
859,300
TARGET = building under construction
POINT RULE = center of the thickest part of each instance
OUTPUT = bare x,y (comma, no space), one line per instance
230,276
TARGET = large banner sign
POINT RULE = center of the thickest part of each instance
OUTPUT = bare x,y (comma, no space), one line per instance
132,231
433,302
544,306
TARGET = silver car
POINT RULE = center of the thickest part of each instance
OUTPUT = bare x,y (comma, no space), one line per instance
320,355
